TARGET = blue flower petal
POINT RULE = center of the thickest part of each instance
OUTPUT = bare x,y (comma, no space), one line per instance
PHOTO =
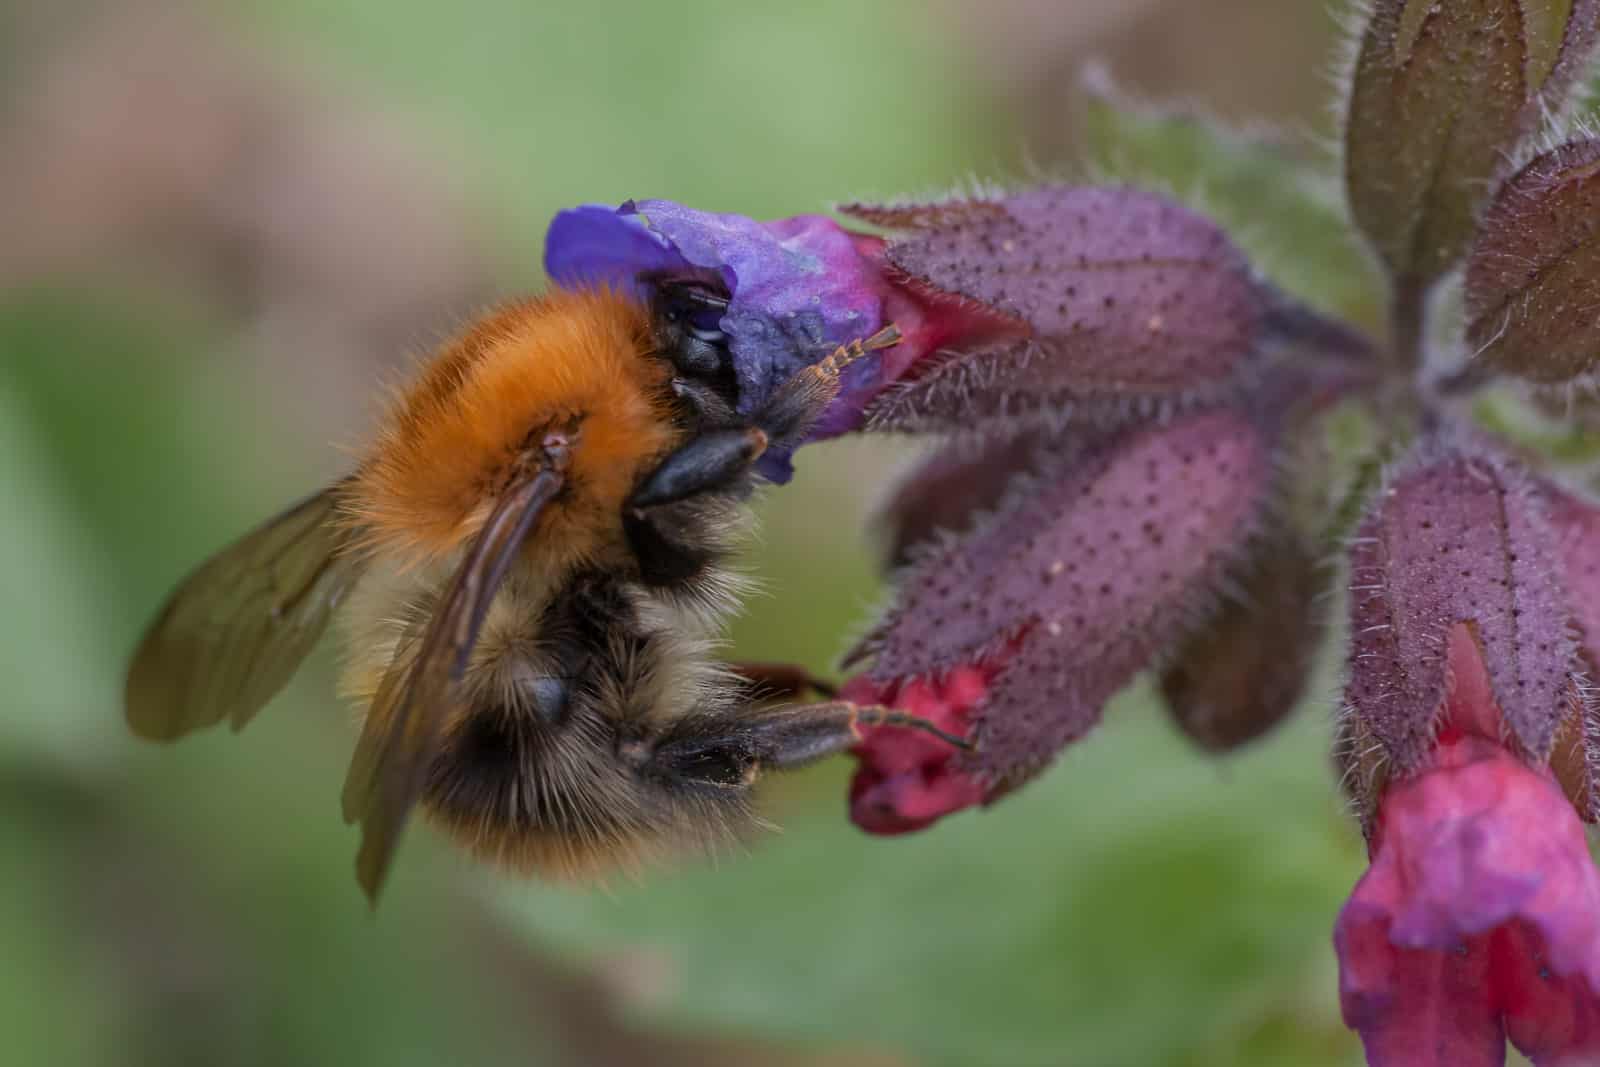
597,245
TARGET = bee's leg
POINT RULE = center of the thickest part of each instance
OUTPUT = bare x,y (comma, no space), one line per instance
777,681
794,737
709,461
735,753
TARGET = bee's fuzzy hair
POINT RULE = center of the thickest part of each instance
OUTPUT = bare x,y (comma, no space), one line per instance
452,434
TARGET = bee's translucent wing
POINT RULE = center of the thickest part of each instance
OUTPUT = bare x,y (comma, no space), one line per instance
237,628
420,689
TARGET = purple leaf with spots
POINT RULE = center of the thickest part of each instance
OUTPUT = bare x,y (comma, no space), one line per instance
1458,537
1442,95
1092,562
1533,280
1126,299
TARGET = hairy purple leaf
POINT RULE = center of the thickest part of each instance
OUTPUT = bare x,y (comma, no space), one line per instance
1089,566
1576,758
945,490
1124,296
1457,538
1236,677
1576,523
1443,93
1533,280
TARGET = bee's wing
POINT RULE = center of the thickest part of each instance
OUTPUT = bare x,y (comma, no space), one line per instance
416,695
237,628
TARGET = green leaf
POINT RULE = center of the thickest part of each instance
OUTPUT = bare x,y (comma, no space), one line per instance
1275,200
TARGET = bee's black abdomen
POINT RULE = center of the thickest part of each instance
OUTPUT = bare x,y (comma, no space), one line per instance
483,771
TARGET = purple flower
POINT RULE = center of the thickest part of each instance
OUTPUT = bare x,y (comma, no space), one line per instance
799,288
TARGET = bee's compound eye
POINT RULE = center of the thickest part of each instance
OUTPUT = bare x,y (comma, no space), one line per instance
697,307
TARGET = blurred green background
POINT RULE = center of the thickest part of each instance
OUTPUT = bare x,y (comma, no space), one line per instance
222,226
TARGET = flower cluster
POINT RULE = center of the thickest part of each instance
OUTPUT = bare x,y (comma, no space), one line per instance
1132,469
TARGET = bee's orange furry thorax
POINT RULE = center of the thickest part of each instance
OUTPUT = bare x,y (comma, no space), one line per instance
453,432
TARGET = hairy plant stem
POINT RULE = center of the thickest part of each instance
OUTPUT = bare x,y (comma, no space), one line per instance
1407,316
1409,405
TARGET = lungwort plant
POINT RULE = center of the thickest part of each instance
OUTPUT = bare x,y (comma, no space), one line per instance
1175,431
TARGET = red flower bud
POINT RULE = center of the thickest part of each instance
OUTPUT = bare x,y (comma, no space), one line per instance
907,780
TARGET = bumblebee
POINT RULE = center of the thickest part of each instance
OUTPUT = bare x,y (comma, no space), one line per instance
531,565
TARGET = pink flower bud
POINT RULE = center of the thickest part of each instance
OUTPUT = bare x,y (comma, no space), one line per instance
907,780
1479,918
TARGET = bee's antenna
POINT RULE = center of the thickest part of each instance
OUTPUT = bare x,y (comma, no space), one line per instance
845,355
879,715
